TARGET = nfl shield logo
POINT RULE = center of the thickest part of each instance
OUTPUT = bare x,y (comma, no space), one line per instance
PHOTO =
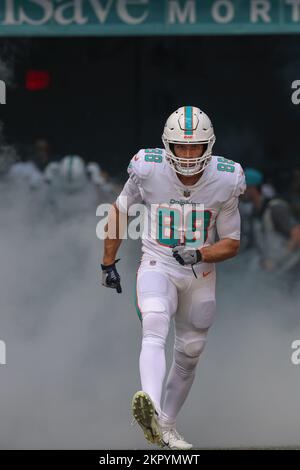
186,193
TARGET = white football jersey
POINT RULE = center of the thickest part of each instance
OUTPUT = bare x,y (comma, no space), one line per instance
178,213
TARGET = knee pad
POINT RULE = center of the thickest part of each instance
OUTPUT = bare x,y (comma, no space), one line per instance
203,313
155,321
194,348
152,305
190,343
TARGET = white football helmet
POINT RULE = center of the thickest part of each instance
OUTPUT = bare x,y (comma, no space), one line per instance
72,172
188,125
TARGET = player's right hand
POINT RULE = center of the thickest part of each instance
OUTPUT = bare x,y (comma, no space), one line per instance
111,277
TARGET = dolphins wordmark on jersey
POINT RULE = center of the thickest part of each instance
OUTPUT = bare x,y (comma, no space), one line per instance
178,213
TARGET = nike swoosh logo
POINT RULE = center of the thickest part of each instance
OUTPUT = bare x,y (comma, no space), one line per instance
206,274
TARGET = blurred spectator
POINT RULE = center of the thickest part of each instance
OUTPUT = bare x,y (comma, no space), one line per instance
41,153
276,233
268,190
247,210
295,193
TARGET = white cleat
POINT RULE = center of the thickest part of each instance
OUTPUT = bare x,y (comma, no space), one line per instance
146,416
173,439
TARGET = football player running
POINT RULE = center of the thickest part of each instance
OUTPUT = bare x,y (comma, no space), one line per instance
195,196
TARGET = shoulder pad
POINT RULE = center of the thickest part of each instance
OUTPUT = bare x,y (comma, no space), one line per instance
230,173
240,187
143,163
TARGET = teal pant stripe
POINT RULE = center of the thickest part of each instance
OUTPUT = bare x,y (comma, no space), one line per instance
136,302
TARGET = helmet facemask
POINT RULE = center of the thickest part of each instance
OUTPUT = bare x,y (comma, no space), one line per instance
188,166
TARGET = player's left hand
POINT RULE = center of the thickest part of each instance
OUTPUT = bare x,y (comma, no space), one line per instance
186,254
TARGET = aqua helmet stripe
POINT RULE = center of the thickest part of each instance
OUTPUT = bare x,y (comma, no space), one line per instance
188,120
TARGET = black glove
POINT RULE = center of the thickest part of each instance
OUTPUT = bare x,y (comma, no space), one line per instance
186,255
111,277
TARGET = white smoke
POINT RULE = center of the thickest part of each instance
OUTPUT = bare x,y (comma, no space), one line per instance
73,346
66,354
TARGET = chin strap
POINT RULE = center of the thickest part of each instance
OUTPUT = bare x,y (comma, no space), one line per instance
199,259
194,271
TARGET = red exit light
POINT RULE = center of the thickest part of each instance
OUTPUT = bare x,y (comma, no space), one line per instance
37,80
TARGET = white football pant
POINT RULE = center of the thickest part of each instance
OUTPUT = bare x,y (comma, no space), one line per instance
164,292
